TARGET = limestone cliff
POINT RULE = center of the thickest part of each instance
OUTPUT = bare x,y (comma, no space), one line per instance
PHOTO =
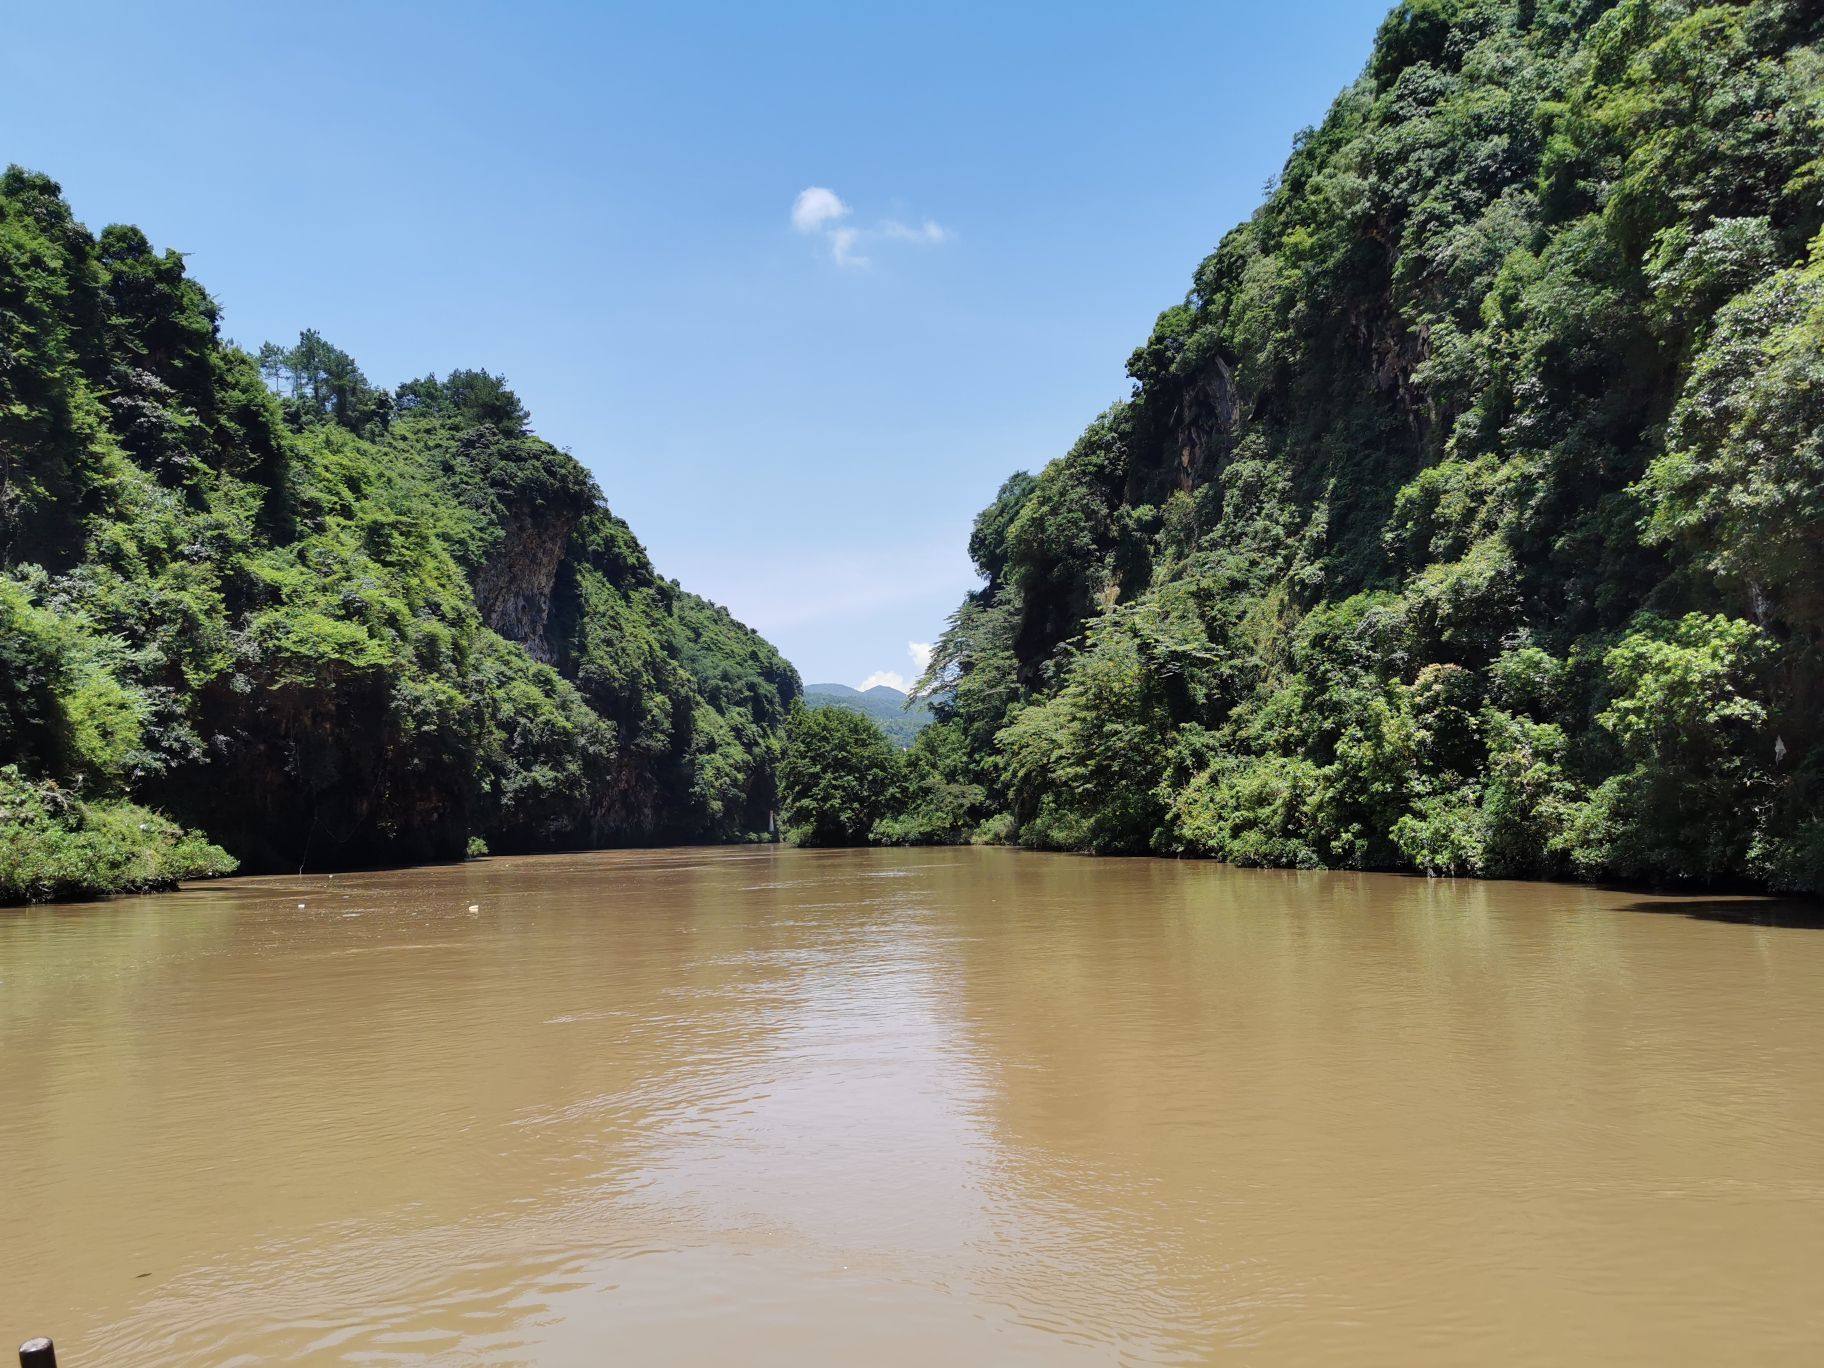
513,586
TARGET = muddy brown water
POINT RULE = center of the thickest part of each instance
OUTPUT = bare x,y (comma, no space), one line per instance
889,1107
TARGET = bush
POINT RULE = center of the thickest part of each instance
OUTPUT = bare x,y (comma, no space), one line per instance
1445,833
995,830
53,846
1255,812
940,804
1688,721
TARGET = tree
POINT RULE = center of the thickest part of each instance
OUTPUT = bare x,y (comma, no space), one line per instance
323,383
940,801
1688,720
476,397
839,775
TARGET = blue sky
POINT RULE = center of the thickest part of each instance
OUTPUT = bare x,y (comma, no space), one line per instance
799,412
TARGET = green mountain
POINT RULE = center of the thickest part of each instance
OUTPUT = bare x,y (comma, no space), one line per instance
899,718
1467,515
261,610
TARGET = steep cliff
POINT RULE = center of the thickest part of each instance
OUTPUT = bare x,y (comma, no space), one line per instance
1466,515
317,621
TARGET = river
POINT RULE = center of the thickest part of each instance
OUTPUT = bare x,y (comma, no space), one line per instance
960,1107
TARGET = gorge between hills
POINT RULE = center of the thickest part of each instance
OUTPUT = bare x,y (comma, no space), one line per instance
430,934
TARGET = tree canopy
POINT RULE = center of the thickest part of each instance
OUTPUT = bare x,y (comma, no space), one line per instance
838,776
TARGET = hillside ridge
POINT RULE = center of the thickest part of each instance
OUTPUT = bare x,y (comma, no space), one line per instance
1467,514
260,611
892,710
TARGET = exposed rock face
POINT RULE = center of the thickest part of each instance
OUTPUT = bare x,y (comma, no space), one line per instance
1207,421
513,588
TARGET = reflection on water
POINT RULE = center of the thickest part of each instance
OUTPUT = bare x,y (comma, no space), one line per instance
762,1106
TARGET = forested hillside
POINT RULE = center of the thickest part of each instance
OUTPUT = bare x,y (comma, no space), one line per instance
308,621
899,718
1468,513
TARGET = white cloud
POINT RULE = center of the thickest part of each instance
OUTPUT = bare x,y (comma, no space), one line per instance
819,212
893,679
842,247
920,651
928,231
816,207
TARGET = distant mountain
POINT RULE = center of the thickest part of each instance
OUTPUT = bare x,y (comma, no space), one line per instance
883,703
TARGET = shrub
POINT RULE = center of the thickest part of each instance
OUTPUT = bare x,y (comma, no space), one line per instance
54,846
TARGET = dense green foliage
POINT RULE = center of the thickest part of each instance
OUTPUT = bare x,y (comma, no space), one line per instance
844,781
837,778
55,846
1468,514
315,620
901,719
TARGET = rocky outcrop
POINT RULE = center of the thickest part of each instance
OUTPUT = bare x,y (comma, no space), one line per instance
513,587
1206,422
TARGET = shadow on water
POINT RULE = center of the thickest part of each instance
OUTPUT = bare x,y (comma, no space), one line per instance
1793,913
